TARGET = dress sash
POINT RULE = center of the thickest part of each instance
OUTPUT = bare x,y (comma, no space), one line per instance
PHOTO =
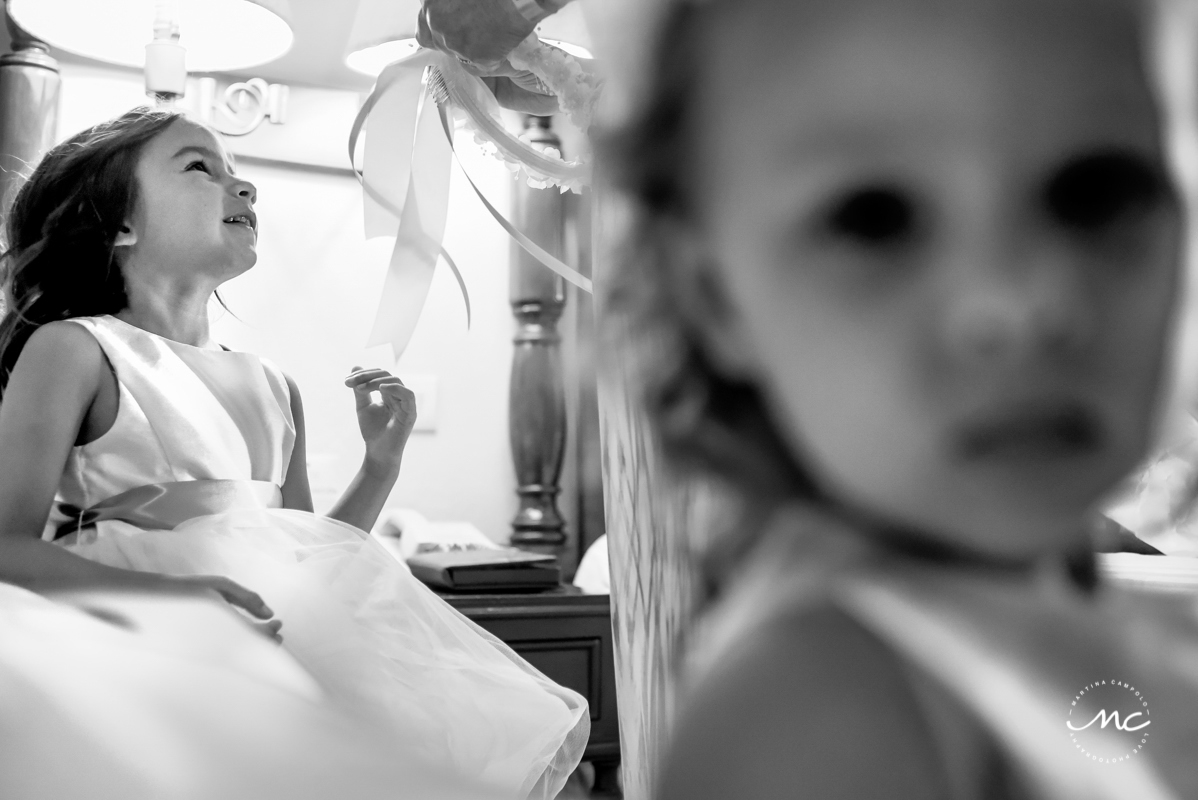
163,506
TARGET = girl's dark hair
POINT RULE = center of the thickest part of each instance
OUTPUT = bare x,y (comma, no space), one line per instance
707,422
58,259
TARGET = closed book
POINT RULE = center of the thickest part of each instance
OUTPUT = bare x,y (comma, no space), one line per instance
484,569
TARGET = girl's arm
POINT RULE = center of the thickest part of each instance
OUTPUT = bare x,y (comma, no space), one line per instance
297,493
50,391
363,500
385,428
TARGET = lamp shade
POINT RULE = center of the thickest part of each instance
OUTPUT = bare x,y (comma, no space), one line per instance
371,60
219,35
385,31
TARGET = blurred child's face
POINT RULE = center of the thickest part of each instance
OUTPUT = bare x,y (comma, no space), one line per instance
949,248
193,215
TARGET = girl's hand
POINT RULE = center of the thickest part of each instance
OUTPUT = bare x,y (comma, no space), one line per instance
385,426
237,595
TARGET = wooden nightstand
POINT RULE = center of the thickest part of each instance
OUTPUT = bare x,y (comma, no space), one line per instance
566,635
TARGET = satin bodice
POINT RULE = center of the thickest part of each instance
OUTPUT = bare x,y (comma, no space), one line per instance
185,414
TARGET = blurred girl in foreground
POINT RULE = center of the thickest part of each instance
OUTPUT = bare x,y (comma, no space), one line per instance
914,266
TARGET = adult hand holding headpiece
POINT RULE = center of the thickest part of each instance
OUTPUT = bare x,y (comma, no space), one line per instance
481,34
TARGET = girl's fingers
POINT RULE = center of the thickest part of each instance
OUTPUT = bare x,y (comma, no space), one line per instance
231,592
356,370
358,375
388,383
398,399
400,404
396,390
374,382
270,630
238,595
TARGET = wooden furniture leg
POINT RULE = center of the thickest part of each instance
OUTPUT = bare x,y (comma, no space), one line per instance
606,778
537,403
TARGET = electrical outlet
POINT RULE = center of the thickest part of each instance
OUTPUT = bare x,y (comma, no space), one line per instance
425,389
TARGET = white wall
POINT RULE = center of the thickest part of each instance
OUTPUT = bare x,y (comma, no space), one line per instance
309,303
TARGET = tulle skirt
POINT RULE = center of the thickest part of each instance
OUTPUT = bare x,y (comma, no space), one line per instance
379,643
178,701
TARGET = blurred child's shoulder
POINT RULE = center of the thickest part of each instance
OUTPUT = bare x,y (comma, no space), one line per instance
810,698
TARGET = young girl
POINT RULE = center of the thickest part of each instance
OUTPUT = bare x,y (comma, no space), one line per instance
912,265
136,453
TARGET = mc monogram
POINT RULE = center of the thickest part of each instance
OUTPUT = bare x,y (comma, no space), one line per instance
1122,716
1125,725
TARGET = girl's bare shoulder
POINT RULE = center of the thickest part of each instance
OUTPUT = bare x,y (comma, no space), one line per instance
812,705
60,344
60,355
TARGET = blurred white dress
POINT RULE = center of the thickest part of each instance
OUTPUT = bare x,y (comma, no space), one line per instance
187,482
996,658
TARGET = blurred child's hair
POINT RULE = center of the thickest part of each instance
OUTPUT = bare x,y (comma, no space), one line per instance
58,260
710,423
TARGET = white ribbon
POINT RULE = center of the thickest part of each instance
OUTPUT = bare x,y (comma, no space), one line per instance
405,179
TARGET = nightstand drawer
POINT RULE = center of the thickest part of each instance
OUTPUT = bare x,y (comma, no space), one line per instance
568,637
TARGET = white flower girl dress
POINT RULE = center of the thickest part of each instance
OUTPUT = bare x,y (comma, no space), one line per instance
187,482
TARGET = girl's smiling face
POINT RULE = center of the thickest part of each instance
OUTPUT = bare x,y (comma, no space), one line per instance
193,215
949,249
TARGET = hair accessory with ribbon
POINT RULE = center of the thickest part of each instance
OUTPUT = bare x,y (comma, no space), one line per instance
577,89
406,163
